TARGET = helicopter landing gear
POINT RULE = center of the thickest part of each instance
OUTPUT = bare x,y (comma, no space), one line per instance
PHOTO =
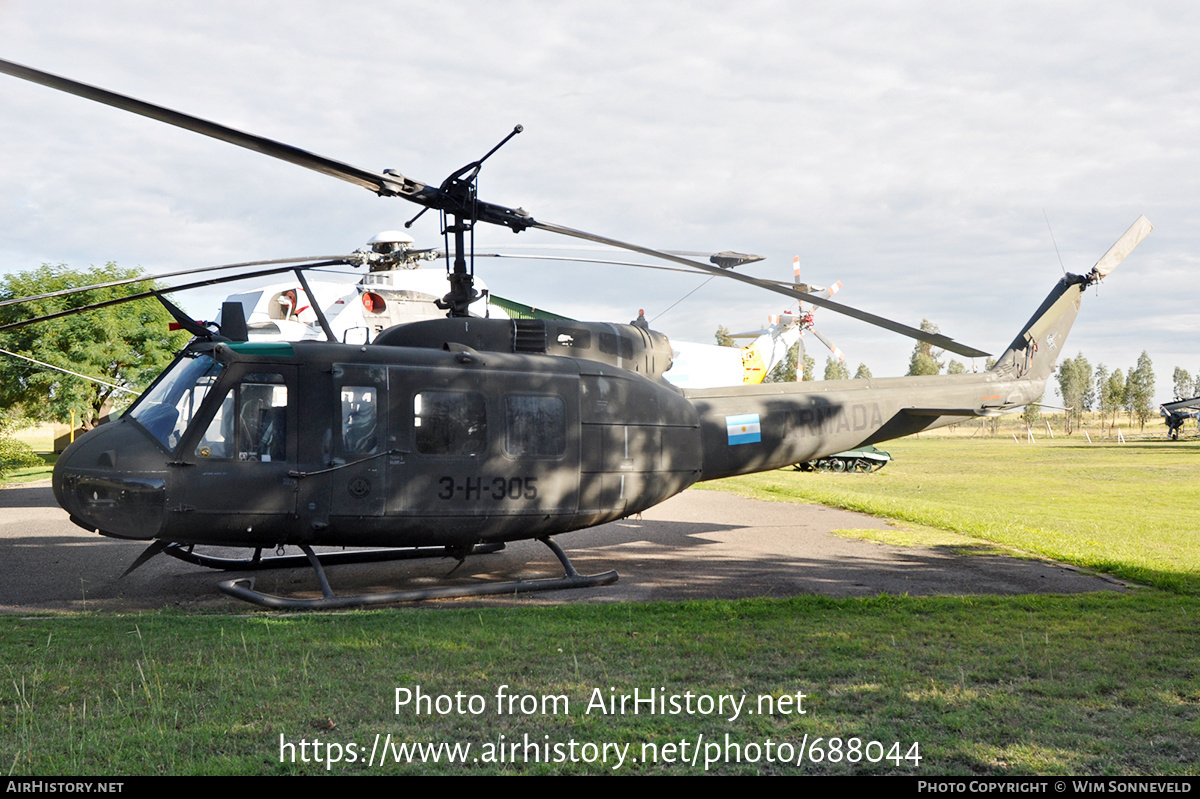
257,561
187,553
244,588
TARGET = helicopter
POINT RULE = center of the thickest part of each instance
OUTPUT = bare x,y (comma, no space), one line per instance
452,436
784,331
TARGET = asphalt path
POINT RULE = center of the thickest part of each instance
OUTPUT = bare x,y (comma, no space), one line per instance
699,545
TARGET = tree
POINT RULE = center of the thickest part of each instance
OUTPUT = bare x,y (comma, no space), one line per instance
1183,383
1139,391
1032,413
836,370
810,368
863,372
956,368
785,370
723,337
924,361
1099,378
127,345
1075,387
1112,396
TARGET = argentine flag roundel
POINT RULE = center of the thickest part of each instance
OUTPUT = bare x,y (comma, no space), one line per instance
743,429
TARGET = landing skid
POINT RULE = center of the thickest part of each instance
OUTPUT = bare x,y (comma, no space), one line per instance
257,561
244,588
187,553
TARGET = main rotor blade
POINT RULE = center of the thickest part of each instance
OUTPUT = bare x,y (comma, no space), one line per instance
331,259
374,181
149,294
389,183
786,289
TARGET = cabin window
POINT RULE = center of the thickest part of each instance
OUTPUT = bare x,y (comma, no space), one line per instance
535,426
611,344
251,423
574,337
449,423
359,420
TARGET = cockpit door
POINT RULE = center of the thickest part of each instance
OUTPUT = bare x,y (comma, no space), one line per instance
361,445
234,461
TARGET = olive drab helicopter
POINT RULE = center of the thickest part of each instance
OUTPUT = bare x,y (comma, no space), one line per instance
450,436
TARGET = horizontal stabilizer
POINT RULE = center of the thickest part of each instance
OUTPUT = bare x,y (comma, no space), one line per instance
1194,402
953,412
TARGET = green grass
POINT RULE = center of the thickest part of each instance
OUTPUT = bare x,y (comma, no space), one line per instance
1126,509
41,437
1103,684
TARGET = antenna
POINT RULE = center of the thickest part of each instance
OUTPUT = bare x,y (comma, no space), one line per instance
1052,241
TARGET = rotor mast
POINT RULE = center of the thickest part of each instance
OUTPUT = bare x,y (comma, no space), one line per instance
461,189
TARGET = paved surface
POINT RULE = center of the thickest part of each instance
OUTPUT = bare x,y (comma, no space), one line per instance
699,545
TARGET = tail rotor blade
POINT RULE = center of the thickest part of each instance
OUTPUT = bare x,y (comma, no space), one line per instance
1117,253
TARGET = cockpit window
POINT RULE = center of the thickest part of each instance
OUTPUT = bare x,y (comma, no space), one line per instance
251,423
166,410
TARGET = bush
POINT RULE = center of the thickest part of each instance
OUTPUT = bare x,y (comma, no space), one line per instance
14,454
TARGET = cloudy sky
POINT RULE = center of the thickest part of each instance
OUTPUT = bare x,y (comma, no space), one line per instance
911,150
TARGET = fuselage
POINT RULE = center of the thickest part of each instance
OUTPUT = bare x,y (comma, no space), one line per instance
263,444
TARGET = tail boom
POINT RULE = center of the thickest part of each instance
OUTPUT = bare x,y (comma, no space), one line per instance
749,429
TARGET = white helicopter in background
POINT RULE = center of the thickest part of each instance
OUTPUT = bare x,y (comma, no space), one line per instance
711,366
395,291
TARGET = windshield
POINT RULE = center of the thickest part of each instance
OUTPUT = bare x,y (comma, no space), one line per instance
167,409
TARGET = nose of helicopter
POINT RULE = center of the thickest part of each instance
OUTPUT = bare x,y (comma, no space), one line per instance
113,480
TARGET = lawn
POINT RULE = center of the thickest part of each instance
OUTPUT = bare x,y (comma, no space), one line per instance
1103,684
1126,509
